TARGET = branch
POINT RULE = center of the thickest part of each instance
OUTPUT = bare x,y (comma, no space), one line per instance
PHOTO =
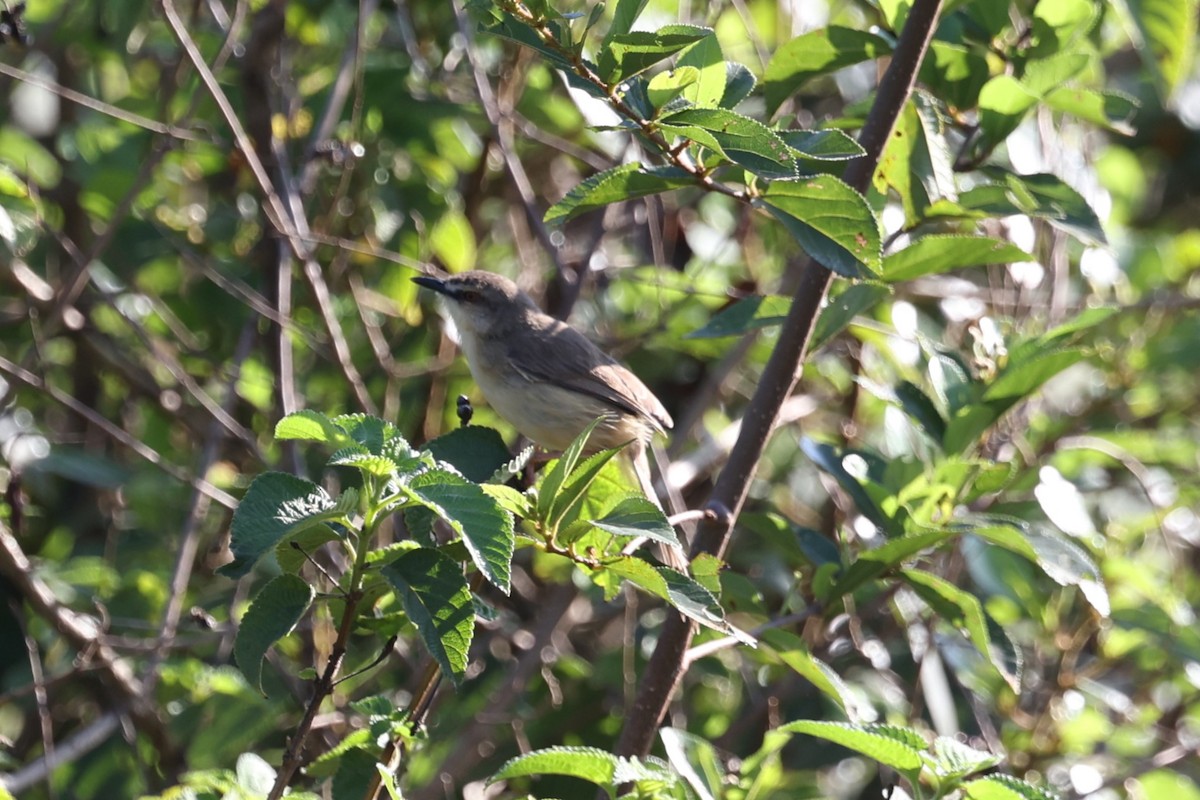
667,664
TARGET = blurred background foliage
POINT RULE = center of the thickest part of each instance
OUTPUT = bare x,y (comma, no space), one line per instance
154,325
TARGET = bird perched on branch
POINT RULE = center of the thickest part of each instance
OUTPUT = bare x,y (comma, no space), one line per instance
543,376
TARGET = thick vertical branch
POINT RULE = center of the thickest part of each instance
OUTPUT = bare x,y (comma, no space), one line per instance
783,370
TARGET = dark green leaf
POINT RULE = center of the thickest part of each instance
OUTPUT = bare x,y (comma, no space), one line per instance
748,314
475,451
793,651
437,600
933,255
843,308
817,53
827,145
614,185
273,613
739,83
1041,196
831,221
637,516
888,557
1021,377
626,54
740,139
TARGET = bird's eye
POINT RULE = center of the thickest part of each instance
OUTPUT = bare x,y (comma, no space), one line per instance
468,296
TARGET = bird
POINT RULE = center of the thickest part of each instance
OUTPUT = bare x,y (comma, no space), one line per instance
547,379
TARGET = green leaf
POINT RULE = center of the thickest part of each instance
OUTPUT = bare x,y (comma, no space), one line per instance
569,500
437,600
1003,103
1168,33
356,456
817,53
888,557
666,86
709,87
919,408
1020,377
291,551
793,651
841,310
697,603
637,516
696,760
1041,196
1005,787
956,760
962,610
556,476
625,14
615,185
588,763
832,222
626,54
742,140
1063,561
371,432
486,528
1112,110
748,314
475,451
310,426
272,614
833,461
739,83
933,255
898,748
275,505
827,145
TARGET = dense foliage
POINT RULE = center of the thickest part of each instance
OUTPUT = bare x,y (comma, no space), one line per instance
249,544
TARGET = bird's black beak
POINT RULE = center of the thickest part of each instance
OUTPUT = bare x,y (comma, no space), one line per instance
437,284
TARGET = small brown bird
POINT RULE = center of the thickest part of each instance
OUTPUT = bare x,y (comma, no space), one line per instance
543,376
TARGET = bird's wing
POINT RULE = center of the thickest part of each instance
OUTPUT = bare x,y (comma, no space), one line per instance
562,356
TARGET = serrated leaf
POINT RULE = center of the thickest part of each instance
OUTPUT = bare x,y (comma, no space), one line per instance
272,614
827,145
371,432
485,527
739,83
742,140
625,14
379,466
697,603
556,476
637,516
1041,196
887,557
274,505
747,314
814,54
1021,377
957,760
666,86
832,222
626,54
933,255
588,763
437,600
898,748
615,185
1005,787
705,56
569,501
310,426
475,451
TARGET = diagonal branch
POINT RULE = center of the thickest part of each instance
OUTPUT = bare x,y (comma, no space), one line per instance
667,664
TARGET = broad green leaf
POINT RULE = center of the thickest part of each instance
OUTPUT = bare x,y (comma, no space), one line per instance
588,763
748,314
475,451
1003,103
697,603
792,651
1043,75
832,222
709,87
841,310
817,53
957,760
954,72
827,145
742,140
486,528
1041,196
1167,31
898,748
666,86
1061,24
639,571
888,557
739,83
1021,377
627,54
637,516
962,610
513,29
833,461
919,408
310,426
371,432
1005,787
435,596
275,505
273,613
293,551
1112,110
933,255
555,477
357,457
570,498
625,182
